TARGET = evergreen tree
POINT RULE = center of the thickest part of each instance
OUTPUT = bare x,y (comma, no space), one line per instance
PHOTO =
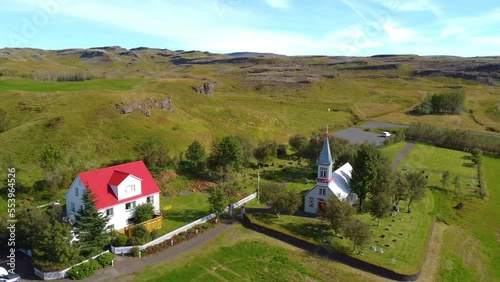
195,152
445,177
53,246
228,155
90,226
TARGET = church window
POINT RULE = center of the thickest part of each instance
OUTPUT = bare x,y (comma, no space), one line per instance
311,202
322,173
322,191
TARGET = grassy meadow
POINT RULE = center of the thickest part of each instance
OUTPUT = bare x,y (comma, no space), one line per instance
244,255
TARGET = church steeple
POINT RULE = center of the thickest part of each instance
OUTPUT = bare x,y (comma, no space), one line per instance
325,162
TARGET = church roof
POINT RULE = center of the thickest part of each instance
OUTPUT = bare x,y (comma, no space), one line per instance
325,158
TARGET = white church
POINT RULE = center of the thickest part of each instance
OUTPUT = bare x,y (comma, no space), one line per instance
329,183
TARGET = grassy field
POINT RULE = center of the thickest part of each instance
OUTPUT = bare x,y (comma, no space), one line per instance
472,245
179,211
244,255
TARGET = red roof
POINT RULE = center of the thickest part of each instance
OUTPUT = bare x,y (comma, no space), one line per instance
98,182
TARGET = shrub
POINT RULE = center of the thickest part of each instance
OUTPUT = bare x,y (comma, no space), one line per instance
105,259
135,251
144,212
120,241
94,264
83,270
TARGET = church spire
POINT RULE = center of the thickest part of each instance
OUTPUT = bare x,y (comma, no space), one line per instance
325,158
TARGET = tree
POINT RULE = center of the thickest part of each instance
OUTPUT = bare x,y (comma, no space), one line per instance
53,246
90,226
337,213
298,142
49,239
195,152
144,212
281,152
401,188
279,199
266,150
477,156
228,154
218,200
381,205
445,177
416,187
364,171
456,182
29,226
358,232
153,151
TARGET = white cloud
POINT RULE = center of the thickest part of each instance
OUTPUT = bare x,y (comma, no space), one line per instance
278,3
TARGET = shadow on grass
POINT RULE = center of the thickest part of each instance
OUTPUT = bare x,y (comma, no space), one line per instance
469,164
317,231
267,218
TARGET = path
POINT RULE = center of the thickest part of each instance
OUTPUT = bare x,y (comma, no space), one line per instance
124,266
401,155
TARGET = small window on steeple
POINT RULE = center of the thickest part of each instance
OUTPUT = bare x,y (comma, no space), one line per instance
322,173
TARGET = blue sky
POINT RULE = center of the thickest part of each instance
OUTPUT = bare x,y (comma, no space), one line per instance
290,27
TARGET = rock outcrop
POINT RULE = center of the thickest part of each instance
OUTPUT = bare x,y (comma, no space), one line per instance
206,88
146,106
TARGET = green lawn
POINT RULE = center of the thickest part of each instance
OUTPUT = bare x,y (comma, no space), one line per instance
181,210
244,255
392,151
434,159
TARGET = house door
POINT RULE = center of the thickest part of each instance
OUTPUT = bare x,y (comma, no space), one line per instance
321,205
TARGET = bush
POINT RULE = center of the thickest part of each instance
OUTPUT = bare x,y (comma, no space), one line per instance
84,270
135,251
105,259
144,212
120,241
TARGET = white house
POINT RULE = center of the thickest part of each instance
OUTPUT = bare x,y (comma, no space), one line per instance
117,189
329,183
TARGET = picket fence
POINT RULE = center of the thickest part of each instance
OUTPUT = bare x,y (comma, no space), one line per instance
128,249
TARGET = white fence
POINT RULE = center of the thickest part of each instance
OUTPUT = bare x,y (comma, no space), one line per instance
128,249
60,274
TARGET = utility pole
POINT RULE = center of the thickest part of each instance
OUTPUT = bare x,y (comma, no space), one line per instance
258,185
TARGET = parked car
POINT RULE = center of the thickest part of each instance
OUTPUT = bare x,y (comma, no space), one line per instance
386,134
5,276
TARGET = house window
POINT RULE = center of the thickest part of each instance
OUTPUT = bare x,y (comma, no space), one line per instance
322,191
130,221
109,212
72,207
76,191
311,202
322,173
150,199
110,227
81,207
130,206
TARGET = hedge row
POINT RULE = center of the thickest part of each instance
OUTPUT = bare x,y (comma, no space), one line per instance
179,238
88,268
